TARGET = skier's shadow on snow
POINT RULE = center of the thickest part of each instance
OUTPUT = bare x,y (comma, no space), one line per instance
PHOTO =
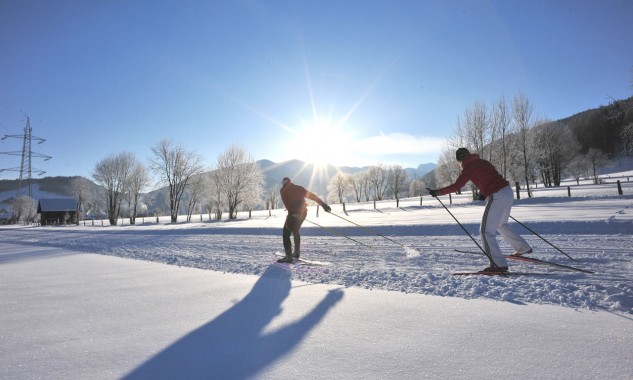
234,345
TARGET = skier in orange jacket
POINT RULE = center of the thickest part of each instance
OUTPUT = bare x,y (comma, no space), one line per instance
294,199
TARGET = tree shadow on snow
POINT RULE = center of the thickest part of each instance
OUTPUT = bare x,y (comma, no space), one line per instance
233,345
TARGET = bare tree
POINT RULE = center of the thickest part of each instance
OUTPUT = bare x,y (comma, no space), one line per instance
339,185
377,178
358,183
577,168
139,180
215,196
81,190
522,113
596,159
272,198
417,188
175,166
240,177
195,192
477,128
555,146
23,209
113,173
500,123
252,199
448,168
398,179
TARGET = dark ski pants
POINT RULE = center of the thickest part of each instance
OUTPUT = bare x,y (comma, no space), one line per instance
291,227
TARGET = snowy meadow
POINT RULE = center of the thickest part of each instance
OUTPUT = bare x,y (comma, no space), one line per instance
413,248
204,299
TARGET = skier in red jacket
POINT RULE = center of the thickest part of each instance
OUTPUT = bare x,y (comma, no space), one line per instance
293,196
499,199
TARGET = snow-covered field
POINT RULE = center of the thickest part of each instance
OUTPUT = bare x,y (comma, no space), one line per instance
385,306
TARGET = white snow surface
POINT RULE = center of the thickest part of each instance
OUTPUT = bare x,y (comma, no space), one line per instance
203,299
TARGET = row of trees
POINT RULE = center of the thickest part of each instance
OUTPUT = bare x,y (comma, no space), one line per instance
235,182
378,183
524,148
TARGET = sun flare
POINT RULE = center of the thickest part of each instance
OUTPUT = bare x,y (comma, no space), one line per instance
321,142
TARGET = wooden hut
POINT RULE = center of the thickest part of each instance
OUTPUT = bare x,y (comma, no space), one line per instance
57,211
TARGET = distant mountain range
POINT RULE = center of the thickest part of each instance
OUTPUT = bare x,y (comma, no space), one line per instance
315,178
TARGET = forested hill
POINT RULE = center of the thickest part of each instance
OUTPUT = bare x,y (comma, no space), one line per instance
601,127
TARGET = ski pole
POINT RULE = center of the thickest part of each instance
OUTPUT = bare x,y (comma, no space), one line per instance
545,240
335,232
367,228
469,235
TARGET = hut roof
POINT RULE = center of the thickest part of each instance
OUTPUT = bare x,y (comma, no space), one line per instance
56,204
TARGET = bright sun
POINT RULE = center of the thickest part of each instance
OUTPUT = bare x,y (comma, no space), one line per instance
321,142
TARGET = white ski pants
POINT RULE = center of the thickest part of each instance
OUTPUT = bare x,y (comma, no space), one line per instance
495,218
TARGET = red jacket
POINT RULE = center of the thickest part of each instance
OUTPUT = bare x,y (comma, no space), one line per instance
481,173
294,197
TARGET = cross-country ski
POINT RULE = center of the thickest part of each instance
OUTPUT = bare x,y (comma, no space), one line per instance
532,260
302,261
501,274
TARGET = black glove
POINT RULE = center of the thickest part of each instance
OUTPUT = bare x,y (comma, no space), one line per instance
434,193
327,208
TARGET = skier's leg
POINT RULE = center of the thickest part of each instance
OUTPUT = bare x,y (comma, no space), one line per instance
507,233
299,218
286,235
489,224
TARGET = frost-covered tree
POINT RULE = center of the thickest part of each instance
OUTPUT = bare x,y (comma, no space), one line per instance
338,187
175,167
272,198
522,113
555,146
448,168
23,209
139,180
417,187
596,159
113,174
577,168
377,178
358,185
500,120
195,193
80,188
477,129
240,177
215,198
398,181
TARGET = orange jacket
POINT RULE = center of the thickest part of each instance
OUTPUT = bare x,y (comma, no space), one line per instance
294,197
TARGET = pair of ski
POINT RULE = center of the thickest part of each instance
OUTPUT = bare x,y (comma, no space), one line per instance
529,260
299,264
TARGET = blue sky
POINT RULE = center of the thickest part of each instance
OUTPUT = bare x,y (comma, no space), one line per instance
348,82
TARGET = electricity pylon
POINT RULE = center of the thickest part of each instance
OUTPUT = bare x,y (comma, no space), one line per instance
25,168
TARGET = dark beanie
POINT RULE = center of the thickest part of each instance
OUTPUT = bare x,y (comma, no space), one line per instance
461,153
